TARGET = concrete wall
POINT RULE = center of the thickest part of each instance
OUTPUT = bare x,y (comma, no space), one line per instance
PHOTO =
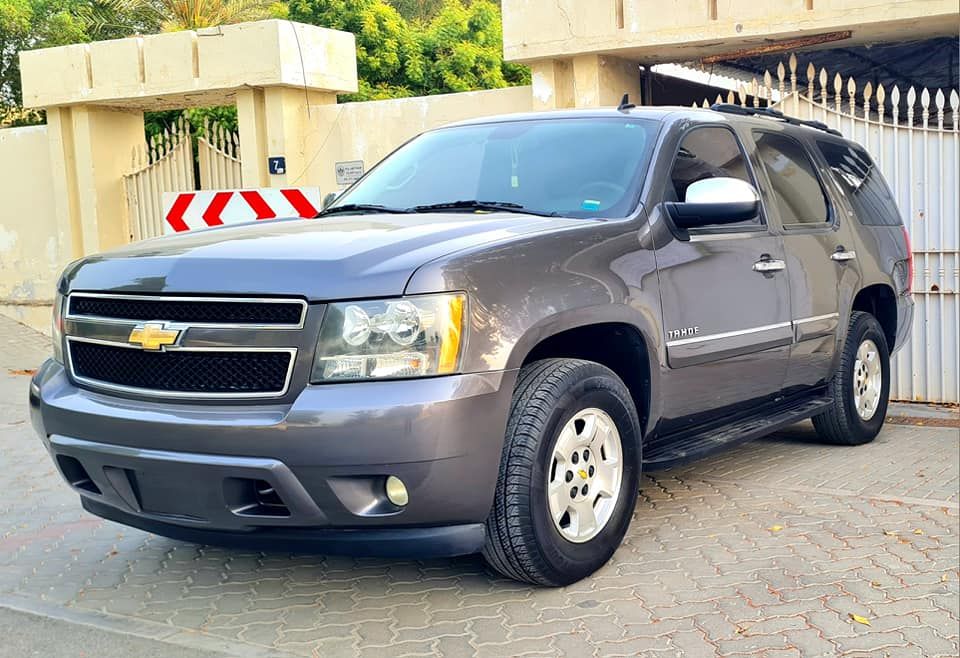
30,245
369,131
652,31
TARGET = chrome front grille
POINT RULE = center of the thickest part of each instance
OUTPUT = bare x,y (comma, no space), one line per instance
197,311
183,347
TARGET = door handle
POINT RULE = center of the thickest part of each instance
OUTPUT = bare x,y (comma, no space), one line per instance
766,265
841,255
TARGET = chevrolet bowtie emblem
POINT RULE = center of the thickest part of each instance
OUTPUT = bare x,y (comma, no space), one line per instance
582,473
153,336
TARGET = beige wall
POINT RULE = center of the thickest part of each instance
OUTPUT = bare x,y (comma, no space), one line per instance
30,243
653,31
369,131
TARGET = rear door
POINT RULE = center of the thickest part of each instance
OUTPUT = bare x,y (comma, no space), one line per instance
820,254
727,325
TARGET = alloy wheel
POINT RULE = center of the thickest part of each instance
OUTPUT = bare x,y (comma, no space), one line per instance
583,485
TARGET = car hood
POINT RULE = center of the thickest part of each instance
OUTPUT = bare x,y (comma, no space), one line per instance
338,257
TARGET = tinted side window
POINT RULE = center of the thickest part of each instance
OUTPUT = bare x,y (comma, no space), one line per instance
796,188
708,152
864,186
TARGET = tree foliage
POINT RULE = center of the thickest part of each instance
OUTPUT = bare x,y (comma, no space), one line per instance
464,43
458,49
417,11
28,24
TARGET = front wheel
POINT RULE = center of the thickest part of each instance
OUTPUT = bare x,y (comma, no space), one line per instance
860,387
569,474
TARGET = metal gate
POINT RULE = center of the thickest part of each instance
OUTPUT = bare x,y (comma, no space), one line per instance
218,152
913,137
166,164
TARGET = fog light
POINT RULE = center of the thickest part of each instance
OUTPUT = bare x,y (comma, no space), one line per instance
396,491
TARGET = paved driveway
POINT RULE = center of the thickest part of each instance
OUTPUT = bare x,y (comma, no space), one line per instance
769,549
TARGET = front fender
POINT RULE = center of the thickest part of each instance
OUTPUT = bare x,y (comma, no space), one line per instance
532,287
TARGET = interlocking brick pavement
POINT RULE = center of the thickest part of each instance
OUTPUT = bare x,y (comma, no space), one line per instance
766,550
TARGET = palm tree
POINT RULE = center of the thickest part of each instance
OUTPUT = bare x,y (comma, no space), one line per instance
109,19
193,14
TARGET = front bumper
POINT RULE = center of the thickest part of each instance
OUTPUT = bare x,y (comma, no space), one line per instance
199,472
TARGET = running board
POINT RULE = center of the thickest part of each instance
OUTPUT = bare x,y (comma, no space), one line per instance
666,453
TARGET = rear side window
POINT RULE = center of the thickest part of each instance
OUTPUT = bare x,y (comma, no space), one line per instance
708,152
796,188
864,186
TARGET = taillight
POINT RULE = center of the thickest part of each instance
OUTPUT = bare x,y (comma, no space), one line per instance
906,238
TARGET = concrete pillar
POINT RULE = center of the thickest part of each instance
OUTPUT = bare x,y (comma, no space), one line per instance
600,80
276,121
583,81
552,84
90,150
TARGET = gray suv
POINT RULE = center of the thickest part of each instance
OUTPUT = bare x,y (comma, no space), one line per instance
480,345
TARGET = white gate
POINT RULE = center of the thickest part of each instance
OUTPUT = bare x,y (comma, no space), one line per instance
166,164
218,152
914,139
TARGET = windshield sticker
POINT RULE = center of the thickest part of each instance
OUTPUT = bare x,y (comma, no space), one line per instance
590,204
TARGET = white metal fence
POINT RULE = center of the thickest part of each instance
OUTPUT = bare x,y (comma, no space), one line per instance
166,164
913,137
218,152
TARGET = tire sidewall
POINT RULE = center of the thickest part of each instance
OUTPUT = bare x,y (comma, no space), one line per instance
572,561
866,327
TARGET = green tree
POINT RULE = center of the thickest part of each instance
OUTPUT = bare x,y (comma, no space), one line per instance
459,49
464,45
115,19
25,25
389,57
417,11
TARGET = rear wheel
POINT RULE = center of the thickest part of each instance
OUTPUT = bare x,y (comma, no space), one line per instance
860,386
569,473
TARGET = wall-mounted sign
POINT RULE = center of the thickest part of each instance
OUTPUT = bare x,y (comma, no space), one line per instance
348,172
277,165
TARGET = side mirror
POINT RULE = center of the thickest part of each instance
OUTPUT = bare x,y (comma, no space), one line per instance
715,201
329,198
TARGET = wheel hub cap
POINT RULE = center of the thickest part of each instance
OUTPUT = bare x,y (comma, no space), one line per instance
867,380
583,484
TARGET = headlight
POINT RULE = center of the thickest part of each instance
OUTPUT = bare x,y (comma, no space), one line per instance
56,330
390,339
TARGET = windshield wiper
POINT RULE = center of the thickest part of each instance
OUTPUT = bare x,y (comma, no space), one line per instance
472,204
361,207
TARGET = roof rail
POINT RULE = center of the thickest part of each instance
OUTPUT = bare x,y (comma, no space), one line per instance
730,108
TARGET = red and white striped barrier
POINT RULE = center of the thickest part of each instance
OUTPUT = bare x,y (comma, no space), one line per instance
185,211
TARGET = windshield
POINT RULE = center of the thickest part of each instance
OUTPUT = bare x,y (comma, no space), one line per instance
585,167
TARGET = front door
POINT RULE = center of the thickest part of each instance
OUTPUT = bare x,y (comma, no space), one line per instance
724,295
819,253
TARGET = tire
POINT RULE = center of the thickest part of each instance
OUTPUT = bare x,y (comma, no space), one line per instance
524,542
842,423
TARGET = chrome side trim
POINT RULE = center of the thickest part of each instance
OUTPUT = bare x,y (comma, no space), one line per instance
181,395
817,318
705,237
727,334
181,298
